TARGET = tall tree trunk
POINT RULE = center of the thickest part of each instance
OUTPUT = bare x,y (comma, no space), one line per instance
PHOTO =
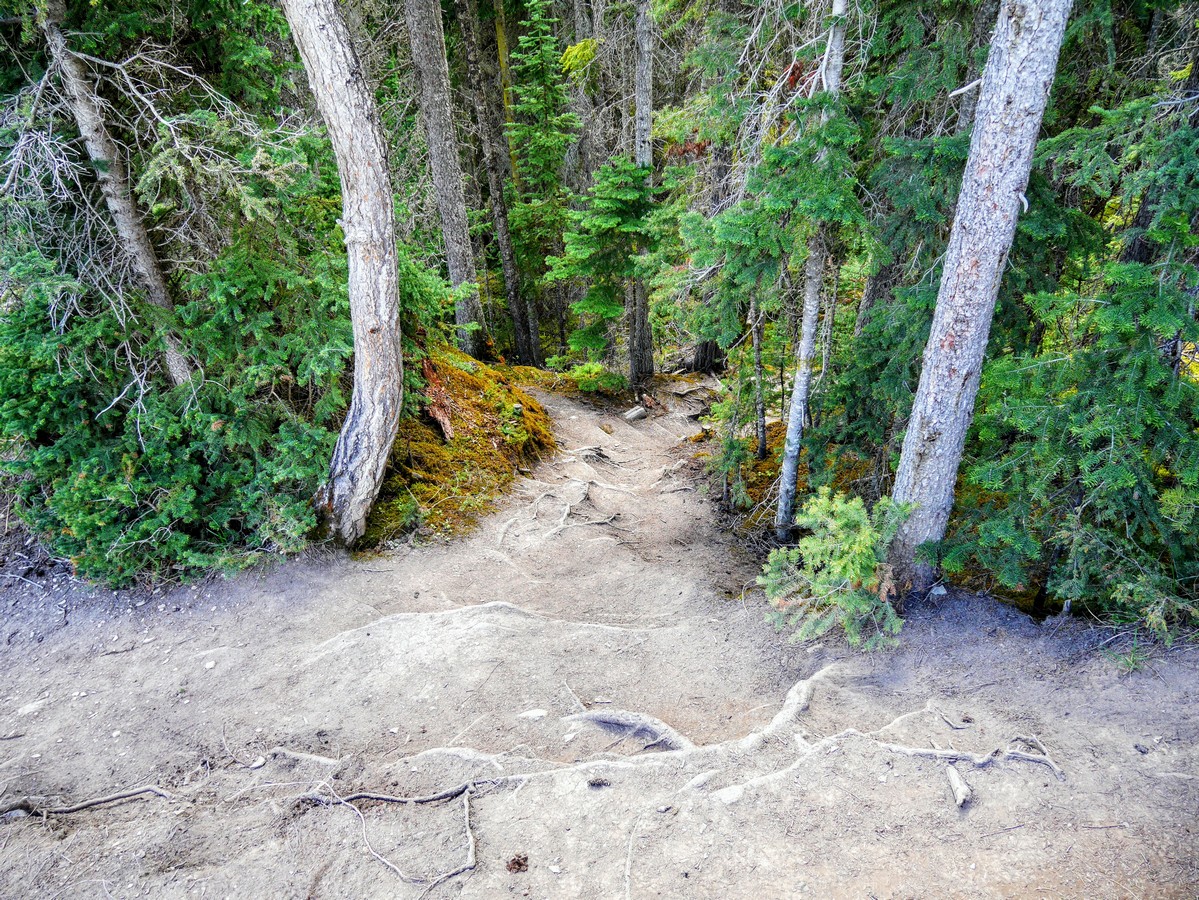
879,288
755,326
1016,83
495,147
428,54
784,517
797,413
113,178
347,104
502,59
641,339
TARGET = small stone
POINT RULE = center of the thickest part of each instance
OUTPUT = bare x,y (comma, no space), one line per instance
635,414
211,664
116,734
533,714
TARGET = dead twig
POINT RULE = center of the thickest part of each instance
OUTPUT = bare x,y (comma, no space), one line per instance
1002,830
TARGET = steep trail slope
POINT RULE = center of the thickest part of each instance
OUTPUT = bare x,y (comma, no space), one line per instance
605,712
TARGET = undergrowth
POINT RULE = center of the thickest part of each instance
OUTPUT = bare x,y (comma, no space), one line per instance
837,575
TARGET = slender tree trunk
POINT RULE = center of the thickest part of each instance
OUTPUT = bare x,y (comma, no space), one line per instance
495,146
115,186
428,55
502,59
347,104
879,288
784,518
797,413
755,326
641,339
1016,83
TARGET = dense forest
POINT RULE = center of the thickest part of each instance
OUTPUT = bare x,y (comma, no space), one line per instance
941,255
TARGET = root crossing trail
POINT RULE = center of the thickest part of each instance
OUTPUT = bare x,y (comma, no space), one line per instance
576,700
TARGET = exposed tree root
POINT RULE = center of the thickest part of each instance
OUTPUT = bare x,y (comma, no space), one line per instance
27,805
982,760
631,724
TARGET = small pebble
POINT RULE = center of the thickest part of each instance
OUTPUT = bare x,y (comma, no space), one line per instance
211,664
116,734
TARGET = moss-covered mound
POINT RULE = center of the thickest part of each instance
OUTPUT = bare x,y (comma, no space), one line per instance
450,464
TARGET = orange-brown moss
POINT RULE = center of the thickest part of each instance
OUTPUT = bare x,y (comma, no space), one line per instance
444,486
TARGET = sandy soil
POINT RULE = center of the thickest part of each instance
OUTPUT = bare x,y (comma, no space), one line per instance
607,713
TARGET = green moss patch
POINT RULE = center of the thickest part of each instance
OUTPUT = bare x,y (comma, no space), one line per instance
442,485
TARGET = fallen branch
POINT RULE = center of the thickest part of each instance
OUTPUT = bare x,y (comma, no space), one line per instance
302,757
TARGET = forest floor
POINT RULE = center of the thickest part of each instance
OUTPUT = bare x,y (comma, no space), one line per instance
589,680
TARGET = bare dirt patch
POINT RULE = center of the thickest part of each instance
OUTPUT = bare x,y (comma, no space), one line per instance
585,705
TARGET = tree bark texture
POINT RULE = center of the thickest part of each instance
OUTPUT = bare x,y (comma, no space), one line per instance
641,339
115,186
347,104
797,415
427,40
1016,83
495,149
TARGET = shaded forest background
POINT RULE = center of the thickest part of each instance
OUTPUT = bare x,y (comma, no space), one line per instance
164,434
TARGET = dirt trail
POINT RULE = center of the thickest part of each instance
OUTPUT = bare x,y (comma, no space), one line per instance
617,720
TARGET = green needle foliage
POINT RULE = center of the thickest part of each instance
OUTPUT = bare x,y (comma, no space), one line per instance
602,243
836,576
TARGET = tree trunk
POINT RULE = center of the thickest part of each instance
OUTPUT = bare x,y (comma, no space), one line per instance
1016,83
755,326
879,288
502,59
784,518
641,338
797,414
428,55
347,104
495,147
113,178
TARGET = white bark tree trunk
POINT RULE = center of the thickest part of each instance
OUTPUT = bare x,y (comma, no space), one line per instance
427,40
347,103
115,186
1015,88
641,339
797,415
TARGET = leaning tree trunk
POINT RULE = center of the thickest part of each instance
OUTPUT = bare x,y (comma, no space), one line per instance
1016,83
641,339
428,54
113,178
491,137
797,415
347,104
